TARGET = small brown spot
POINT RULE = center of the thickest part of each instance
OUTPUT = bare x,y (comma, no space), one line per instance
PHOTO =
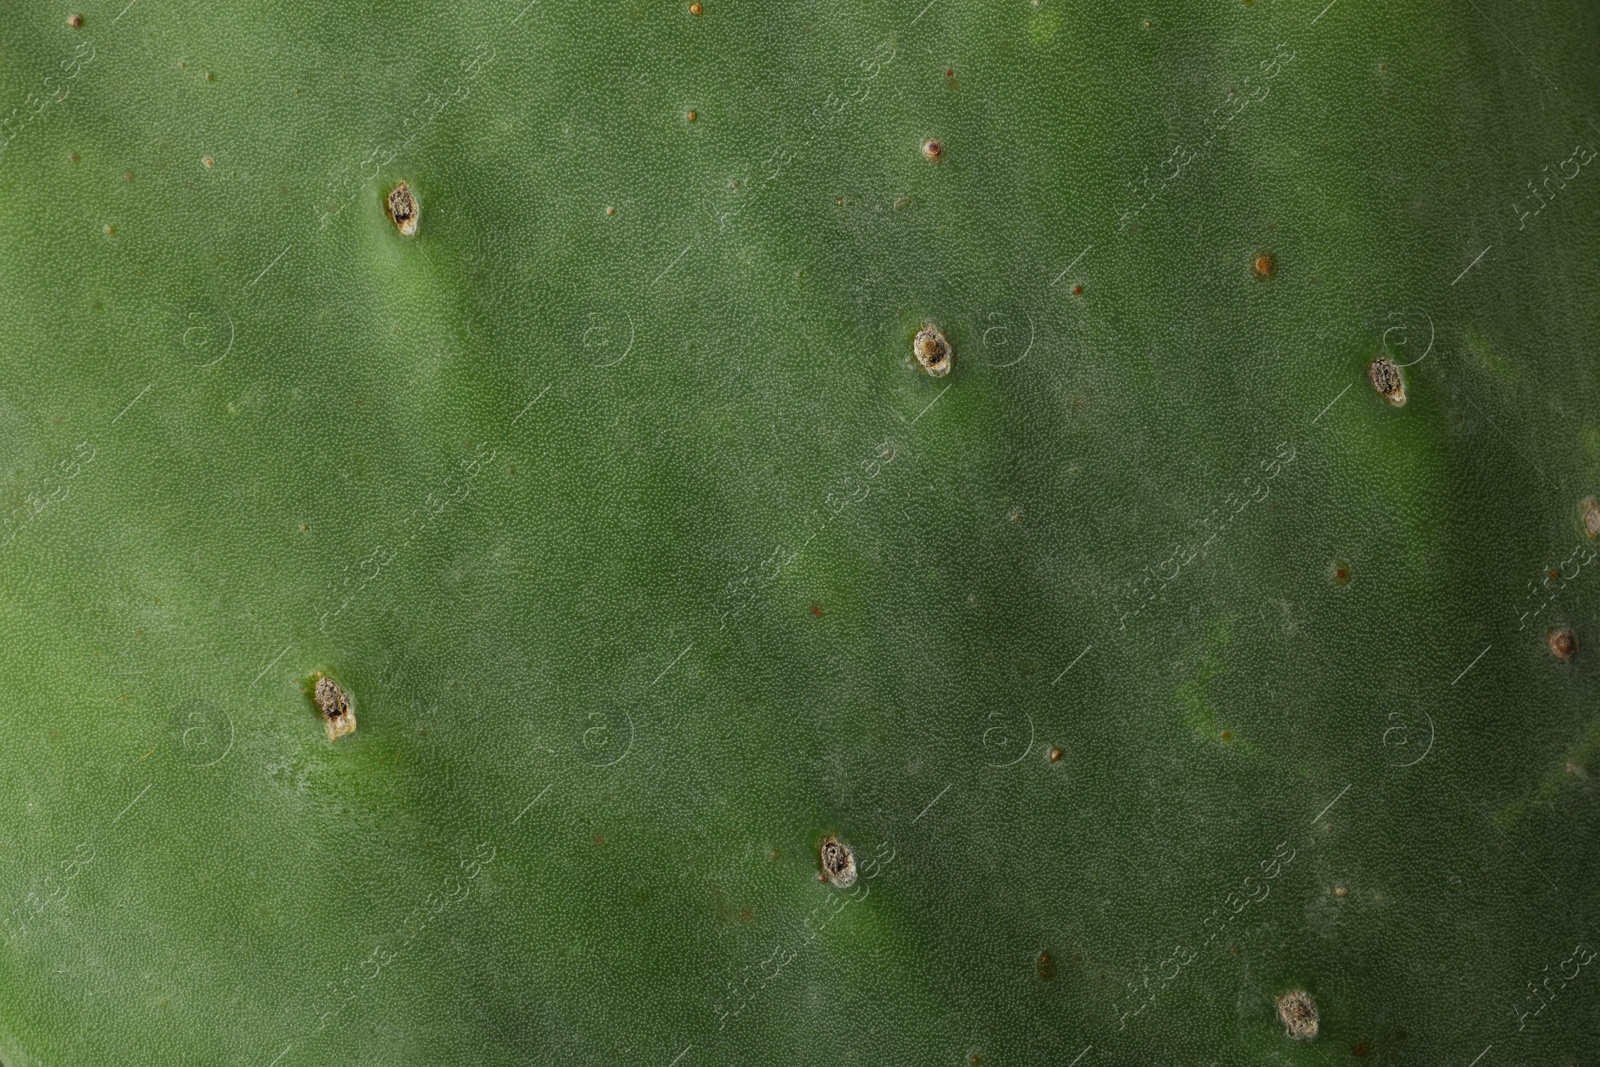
1385,378
933,151
338,714
1361,1049
816,611
838,863
695,8
974,1059
611,211
1046,966
599,839
72,157
1227,735
839,202
1340,891
128,177
1298,1013
304,528
931,351
1341,572
948,73
1055,755
75,21
1147,24
903,202
1077,290
1265,265
746,914
692,116
108,229
208,162
404,211
1563,643
210,76
1591,517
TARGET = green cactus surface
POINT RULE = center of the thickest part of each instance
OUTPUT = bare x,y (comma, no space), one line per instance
580,630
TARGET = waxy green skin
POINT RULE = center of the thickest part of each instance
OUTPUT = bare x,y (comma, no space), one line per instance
649,559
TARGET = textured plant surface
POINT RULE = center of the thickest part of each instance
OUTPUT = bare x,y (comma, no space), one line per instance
1150,664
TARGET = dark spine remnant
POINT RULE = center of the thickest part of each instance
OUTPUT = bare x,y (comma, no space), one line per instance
1385,378
838,863
404,209
931,351
338,716
1298,1013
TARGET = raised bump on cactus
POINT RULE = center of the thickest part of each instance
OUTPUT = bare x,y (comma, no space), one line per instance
1386,380
404,211
1298,1013
338,713
838,862
931,351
